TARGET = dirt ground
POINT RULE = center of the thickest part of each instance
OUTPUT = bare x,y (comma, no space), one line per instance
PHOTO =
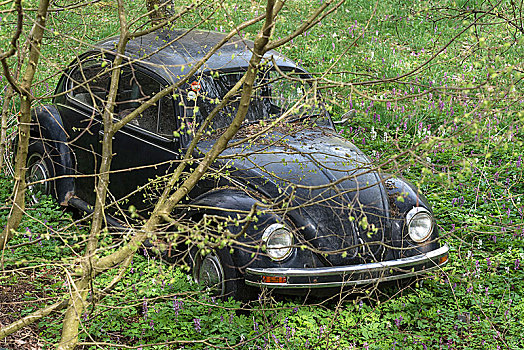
14,299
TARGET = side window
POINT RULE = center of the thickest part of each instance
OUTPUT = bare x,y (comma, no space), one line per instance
137,87
89,82
168,121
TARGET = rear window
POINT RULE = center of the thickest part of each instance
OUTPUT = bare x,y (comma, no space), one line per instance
89,82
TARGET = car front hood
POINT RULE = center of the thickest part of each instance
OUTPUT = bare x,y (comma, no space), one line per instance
323,183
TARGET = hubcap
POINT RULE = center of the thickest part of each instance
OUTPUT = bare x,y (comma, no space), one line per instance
211,274
37,171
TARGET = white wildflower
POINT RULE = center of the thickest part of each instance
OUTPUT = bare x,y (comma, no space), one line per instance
373,133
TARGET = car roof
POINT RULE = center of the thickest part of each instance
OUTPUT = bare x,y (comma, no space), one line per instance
171,53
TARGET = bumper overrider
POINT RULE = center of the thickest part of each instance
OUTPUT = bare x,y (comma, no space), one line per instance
353,275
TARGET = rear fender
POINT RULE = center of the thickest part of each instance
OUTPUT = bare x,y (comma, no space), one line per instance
47,126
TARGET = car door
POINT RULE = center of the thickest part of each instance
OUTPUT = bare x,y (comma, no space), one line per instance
81,106
146,148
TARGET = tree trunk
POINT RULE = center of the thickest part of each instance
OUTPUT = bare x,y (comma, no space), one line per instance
17,210
4,146
158,10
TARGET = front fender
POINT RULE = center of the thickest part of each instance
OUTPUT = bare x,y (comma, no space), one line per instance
403,196
236,204
47,126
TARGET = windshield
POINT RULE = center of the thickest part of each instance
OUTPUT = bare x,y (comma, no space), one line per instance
276,94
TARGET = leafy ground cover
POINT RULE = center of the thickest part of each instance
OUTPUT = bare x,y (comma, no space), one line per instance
462,146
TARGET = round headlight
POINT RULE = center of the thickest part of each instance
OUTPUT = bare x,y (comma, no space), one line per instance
420,224
279,241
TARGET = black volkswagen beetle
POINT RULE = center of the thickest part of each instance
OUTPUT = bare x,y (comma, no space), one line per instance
307,209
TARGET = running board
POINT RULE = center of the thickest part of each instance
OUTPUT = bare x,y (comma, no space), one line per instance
82,205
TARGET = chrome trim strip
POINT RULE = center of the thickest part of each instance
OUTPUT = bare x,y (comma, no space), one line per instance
148,142
343,271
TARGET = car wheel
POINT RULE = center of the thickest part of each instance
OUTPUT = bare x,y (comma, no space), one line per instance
40,170
217,272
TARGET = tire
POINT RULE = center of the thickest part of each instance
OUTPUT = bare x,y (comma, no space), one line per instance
39,168
217,272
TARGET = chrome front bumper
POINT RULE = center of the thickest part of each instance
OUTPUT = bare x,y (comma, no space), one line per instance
354,275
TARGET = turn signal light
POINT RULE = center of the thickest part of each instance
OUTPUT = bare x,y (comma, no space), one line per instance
274,279
443,260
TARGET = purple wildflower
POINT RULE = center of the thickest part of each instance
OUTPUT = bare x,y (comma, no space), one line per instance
177,305
144,308
196,321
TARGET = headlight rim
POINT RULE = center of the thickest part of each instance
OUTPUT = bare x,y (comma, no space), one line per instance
268,232
411,215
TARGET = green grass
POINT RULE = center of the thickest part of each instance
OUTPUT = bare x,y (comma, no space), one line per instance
468,164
